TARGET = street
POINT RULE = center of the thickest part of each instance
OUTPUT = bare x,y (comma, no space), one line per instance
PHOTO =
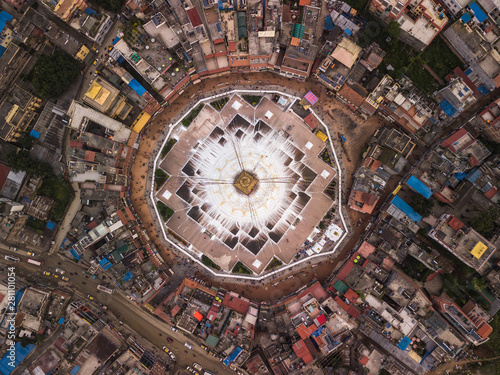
141,322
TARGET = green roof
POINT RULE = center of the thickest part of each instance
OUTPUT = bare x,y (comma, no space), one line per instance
341,287
242,25
212,341
298,31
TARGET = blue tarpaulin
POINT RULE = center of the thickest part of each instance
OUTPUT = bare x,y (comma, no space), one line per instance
116,40
35,134
105,264
447,108
328,23
405,207
51,225
128,276
60,321
419,187
404,343
4,18
2,50
90,11
460,176
20,354
137,87
233,356
348,32
75,370
478,12
75,254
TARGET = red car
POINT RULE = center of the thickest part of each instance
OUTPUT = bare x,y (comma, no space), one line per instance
169,339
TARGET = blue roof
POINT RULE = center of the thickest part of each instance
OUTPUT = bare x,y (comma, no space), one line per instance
137,87
447,108
419,187
483,90
105,264
75,254
236,352
75,370
474,174
90,11
328,23
4,18
128,276
2,50
468,71
404,343
460,176
116,40
60,321
20,354
478,12
51,225
348,32
465,18
405,207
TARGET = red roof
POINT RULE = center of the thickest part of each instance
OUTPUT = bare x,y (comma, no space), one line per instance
351,295
75,144
194,17
364,360
211,315
1,297
232,46
301,351
453,138
304,332
304,2
175,310
92,225
491,193
89,155
455,223
236,303
311,120
354,312
198,316
321,319
485,330
4,172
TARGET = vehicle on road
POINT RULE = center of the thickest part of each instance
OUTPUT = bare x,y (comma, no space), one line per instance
189,368
169,339
46,273
30,254
13,248
90,297
204,347
95,61
197,366
56,276
167,350
104,289
10,258
172,356
208,373
35,262
61,271
188,345
173,329
65,278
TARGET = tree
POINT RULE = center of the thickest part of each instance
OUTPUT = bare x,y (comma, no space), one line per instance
111,5
53,74
478,283
393,30
22,161
422,205
484,223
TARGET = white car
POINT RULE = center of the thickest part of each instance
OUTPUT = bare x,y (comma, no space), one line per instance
197,366
189,368
173,329
61,271
172,356
188,345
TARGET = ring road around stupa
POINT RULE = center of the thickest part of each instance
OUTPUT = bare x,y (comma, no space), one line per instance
247,184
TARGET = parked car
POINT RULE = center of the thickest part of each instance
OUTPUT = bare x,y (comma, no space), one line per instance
188,345
90,297
169,339
61,271
167,350
197,366
173,329
65,278
46,273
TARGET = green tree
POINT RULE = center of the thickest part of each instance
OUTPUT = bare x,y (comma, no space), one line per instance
393,30
22,161
422,205
53,74
484,223
111,5
478,283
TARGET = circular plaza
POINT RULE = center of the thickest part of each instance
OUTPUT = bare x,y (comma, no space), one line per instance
248,191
